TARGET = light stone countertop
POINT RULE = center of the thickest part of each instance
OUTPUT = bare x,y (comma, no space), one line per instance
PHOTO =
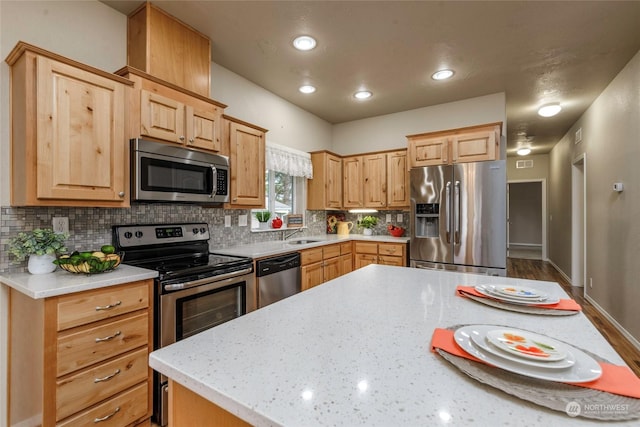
355,352
61,282
265,249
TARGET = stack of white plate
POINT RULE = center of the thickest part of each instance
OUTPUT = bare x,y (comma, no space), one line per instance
527,353
517,295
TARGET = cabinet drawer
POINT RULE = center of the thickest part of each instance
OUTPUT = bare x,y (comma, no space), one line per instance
330,251
90,386
121,410
310,256
366,248
80,309
390,260
345,248
391,249
91,345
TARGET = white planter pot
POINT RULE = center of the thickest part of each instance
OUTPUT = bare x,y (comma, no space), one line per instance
367,232
41,264
264,225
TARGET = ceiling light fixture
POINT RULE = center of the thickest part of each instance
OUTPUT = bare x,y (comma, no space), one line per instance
307,89
362,94
523,151
304,42
549,110
442,74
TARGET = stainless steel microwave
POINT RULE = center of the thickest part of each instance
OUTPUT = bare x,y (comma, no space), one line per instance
167,173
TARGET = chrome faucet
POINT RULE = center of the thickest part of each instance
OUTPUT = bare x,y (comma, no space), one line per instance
285,237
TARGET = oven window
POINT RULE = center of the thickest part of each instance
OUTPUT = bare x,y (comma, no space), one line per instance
205,310
167,176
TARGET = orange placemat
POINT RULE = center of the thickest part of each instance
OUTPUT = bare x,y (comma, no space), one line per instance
563,304
615,379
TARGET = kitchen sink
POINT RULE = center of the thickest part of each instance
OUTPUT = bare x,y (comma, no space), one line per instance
302,242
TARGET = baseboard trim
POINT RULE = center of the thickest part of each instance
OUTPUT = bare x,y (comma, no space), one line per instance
613,321
559,270
529,245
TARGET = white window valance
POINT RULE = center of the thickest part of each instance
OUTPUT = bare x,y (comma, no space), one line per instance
288,160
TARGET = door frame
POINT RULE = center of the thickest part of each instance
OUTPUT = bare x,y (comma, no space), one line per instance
543,188
579,216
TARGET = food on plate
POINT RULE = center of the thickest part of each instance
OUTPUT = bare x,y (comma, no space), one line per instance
90,262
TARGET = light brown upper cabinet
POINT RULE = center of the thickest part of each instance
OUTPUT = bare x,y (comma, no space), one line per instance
244,143
163,111
376,180
165,47
470,144
68,132
324,191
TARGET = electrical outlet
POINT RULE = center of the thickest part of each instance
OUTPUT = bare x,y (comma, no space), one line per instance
242,220
400,218
388,217
60,224
227,220
314,218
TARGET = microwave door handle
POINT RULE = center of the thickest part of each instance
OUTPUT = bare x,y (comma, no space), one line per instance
448,211
214,181
457,213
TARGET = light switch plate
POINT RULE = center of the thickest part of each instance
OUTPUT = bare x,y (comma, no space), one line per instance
388,217
242,220
227,220
400,217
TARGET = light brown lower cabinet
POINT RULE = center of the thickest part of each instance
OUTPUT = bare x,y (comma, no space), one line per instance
319,265
82,359
379,253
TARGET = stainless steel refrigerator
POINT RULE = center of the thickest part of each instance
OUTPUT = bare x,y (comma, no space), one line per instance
459,217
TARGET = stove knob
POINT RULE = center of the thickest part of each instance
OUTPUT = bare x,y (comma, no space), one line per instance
138,234
128,235
203,230
195,231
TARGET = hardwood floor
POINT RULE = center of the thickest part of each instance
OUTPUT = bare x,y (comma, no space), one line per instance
541,270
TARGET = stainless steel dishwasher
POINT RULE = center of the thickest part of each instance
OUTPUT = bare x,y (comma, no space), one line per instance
278,278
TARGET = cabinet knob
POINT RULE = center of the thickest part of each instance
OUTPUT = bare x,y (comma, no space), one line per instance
191,140
181,138
235,200
121,194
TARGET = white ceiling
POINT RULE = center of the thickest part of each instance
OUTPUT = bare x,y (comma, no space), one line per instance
534,51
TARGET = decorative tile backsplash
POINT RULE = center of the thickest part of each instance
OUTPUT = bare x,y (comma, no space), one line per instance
90,228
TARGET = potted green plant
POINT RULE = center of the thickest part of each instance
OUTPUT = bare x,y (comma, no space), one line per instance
40,246
263,218
367,223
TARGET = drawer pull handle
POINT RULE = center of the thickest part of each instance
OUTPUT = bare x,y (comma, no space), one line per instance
109,338
107,378
108,307
106,417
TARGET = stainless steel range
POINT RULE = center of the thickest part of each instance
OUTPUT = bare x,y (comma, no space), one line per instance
195,290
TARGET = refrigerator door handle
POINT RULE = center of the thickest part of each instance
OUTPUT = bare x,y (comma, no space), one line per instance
457,213
448,211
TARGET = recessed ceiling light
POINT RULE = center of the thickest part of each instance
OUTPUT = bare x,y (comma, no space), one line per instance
523,151
362,94
442,74
307,89
304,43
549,110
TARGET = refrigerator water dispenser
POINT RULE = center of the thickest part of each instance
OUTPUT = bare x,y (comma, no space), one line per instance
427,219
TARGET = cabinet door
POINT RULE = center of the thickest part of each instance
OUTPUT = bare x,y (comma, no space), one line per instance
334,183
203,128
247,165
331,268
311,275
161,117
362,260
475,146
352,176
80,129
428,151
346,264
375,180
397,180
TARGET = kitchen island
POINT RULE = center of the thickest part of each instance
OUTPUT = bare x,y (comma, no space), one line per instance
356,351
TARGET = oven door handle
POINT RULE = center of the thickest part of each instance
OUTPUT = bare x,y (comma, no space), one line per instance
186,285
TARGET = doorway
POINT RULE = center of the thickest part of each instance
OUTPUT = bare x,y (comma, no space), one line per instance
527,225
578,221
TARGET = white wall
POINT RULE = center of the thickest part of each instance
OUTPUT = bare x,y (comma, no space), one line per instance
389,131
